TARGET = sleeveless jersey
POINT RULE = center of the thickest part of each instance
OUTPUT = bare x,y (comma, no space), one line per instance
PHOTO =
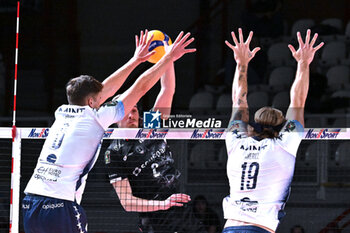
70,150
260,173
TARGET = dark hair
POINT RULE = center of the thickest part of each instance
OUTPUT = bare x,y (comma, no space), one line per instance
81,87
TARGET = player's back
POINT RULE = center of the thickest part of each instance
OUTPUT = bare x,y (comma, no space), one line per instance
260,172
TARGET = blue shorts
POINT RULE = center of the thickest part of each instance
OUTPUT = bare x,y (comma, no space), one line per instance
50,215
244,229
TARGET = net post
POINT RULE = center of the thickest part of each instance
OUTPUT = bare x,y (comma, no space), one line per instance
15,181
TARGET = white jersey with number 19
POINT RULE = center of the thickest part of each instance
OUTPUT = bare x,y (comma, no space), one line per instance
260,172
69,151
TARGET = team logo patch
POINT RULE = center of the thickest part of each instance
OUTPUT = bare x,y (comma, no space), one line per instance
290,126
51,158
108,157
151,120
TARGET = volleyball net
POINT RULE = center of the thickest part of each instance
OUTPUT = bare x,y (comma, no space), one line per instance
322,169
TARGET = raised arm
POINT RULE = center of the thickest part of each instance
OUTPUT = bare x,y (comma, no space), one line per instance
147,80
167,89
242,55
132,203
298,92
112,83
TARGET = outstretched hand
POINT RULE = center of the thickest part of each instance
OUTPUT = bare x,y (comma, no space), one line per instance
177,199
306,51
242,53
142,53
178,48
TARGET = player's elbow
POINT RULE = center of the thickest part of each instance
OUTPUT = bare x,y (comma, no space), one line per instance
127,207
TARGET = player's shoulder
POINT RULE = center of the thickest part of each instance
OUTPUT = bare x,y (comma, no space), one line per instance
111,103
292,126
237,129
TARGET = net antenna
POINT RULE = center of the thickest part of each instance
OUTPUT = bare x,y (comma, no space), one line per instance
16,153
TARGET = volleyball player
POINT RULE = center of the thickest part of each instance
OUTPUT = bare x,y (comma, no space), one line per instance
55,189
144,175
261,155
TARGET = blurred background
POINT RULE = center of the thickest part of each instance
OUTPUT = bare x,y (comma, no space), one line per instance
62,39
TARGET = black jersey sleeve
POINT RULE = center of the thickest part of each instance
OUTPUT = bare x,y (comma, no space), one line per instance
116,164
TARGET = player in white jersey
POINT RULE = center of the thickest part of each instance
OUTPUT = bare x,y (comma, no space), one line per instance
54,191
261,155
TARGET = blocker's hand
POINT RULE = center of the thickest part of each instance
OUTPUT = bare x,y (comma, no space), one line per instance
142,44
178,48
306,52
242,53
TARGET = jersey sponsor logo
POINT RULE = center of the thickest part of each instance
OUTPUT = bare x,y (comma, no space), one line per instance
39,134
152,133
53,206
208,133
247,205
108,133
47,174
151,120
73,110
51,158
252,147
154,156
43,178
323,133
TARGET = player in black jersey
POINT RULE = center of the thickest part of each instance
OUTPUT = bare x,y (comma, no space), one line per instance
144,177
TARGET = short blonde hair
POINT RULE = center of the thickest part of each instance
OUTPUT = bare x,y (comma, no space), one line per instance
269,117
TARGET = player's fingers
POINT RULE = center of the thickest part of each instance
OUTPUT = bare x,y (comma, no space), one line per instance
307,39
141,37
313,40
145,37
182,197
148,55
240,35
184,38
292,49
178,38
149,41
301,43
137,41
188,42
176,204
255,51
190,50
319,46
234,38
249,37
229,45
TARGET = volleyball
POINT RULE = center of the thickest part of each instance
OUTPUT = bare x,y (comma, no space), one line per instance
157,44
